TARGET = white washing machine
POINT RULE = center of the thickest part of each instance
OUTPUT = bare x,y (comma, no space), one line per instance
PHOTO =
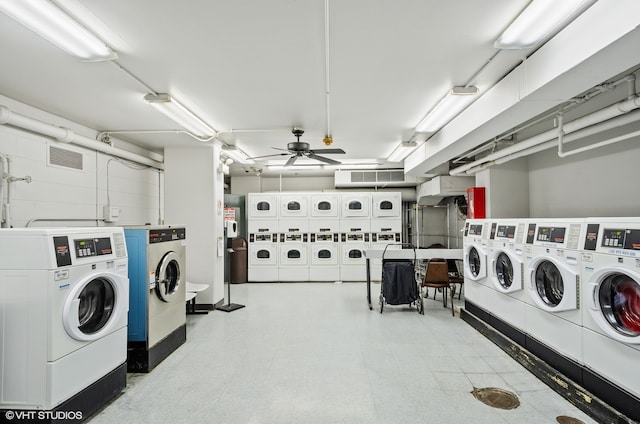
386,205
383,232
354,241
262,206
293,246
611,299
294,206
325,253
552,280
324,205
506,268
158,275
263,251
355,205
476,262
63,318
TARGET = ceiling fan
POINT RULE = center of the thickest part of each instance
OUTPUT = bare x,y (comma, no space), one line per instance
298,149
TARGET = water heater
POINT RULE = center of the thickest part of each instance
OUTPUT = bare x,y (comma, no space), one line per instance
476,203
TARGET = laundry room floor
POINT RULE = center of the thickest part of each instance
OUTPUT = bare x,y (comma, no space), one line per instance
314,353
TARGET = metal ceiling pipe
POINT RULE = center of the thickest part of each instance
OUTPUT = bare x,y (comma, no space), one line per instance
5,216
593,119
65,135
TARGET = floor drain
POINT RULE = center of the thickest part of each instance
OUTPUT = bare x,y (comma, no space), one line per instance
496,398
563,419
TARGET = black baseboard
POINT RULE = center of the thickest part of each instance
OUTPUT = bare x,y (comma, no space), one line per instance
143,359
77,408
600,399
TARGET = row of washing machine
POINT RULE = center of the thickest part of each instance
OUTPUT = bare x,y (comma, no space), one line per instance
81,306
569,288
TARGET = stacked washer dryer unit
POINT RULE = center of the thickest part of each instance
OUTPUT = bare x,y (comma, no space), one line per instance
157,315
476,263
355,232
324,238
611,310
63,318
386,225
293,262
506,269
263,236
552,279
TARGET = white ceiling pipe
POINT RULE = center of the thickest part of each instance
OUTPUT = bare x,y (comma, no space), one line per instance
594,118
8,117
577,135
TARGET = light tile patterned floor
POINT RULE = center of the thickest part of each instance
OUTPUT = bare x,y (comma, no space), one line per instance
313,353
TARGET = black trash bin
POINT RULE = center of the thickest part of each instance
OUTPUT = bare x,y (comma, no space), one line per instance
238,261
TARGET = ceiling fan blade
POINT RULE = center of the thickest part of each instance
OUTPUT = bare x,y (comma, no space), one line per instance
312,155
277,148
329,151
291,160
269,156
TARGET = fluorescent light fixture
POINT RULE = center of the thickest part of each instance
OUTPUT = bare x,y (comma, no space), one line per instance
450,106
402,151
295,167
541,19
180,115
56,26
237,155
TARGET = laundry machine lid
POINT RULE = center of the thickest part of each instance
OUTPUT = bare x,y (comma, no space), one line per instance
619,300
476,263
553,285
168,277
504,271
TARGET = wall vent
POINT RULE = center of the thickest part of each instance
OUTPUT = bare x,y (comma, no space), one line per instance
374,178
65,158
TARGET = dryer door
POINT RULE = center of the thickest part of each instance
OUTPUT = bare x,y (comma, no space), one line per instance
168,278
95,306
615,303
553,286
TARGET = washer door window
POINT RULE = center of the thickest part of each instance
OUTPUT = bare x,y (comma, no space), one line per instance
619,299
168,278
504,271
475,263
549,284
93,306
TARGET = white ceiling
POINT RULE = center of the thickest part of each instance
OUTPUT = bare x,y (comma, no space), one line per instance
258,67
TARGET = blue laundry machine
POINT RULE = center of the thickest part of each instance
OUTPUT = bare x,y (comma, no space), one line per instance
157,275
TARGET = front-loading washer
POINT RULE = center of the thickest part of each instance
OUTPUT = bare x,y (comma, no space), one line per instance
552,280
263,251
293,247
157,315
611,311
324,238
354,242
63,315
506,268
476,248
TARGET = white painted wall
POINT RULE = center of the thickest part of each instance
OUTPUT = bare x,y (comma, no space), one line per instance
63,193
507,189
194,197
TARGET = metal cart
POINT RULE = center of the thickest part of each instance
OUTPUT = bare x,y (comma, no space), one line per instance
399,285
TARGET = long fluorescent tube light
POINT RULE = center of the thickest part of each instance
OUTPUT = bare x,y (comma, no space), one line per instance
56,26
180,115
402,151
541,19
236,155
450,106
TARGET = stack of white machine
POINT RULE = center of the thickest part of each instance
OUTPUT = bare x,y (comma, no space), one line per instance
319,236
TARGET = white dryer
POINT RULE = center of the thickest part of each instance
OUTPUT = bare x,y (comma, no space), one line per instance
354,242
506,268
294,206
386,205
355,205
262,206
263,251
325,252
611,299
63,318
552,280
476,256
324,205
293,247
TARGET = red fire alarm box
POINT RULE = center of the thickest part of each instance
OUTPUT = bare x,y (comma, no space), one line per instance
475,203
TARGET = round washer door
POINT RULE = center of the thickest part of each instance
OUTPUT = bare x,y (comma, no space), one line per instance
168,278
95,306
552,285
615,304
504,271
507,271
475,263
